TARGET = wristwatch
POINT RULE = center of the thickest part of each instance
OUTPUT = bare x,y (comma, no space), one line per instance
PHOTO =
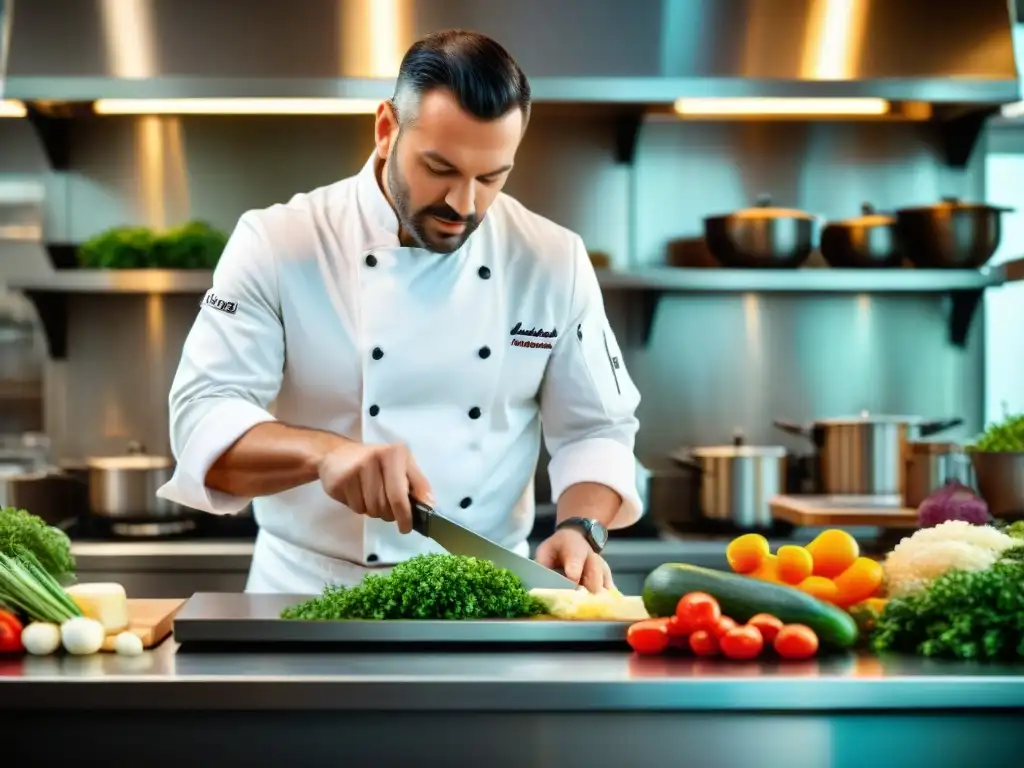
595,533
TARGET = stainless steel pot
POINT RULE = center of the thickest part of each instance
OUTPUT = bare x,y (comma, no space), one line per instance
866,241
863,455
125,487
738,482
930,465
762,236
950,234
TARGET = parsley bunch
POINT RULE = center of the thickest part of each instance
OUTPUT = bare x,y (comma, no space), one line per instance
961,615
22,532
426,587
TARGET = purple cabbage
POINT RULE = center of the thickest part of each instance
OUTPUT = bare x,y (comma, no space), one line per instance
953,501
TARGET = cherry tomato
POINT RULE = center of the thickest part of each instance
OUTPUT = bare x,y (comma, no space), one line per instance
796,641
724,625
10,633
703,643
649,636
678,637
767,625
742,643
697,610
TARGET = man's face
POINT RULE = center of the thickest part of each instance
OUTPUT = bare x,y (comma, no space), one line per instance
446,169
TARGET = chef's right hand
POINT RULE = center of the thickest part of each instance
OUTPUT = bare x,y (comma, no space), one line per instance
375,480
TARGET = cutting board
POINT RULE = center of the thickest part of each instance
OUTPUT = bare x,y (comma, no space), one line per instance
150,619
844,511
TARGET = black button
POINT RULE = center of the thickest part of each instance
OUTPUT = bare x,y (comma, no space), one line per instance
474,412
465,502
377,353
371,260
484,272
484,352
372,558
374,410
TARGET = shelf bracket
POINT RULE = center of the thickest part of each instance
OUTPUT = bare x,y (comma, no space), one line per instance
964,305
52,308
627,132
958,135
54,131
644,306
62,255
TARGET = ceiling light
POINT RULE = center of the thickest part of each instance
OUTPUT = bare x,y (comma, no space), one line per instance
11,108
269,106
780,106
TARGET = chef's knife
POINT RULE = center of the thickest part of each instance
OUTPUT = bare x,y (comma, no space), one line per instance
459,540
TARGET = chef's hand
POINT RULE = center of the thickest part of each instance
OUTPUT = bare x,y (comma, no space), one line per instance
570,552
375,480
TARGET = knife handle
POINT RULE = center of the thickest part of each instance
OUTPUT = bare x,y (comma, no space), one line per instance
420,516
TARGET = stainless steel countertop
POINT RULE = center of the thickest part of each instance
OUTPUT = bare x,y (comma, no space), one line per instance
627,555
171,678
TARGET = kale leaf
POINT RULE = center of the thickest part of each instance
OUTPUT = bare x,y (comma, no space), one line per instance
21,531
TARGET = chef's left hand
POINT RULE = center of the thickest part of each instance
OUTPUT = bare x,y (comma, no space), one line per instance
569,552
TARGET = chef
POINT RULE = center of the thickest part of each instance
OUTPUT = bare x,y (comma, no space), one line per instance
408,330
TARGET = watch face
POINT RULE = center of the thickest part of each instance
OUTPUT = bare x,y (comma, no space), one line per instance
600,534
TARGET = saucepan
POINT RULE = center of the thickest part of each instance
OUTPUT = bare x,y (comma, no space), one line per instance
124,487
864,455
868,240
738,481
761,236
950,234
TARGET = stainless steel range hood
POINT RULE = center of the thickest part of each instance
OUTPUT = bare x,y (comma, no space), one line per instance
642,52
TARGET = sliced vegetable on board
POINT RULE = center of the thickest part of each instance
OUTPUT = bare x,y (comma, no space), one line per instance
742,598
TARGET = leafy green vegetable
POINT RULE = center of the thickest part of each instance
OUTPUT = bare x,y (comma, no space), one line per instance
426,587
194,245
1014,529
1006,436
961,615
25,586
21,532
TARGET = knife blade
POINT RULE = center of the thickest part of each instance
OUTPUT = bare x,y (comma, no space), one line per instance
459,540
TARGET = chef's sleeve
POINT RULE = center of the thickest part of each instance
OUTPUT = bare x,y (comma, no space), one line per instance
588,401
230,370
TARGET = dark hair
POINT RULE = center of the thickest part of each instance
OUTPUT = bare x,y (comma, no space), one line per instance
484,78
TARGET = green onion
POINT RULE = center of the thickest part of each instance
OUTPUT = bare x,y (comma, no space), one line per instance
26,587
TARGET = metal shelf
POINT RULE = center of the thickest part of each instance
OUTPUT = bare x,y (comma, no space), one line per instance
807,280
117,281
49,292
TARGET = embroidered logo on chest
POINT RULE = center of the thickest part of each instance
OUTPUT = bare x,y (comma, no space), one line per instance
532,338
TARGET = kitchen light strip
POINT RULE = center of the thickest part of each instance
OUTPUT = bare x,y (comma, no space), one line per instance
780,106
11,108
269,106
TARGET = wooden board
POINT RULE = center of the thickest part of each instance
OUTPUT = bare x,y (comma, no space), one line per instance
844,511
150,619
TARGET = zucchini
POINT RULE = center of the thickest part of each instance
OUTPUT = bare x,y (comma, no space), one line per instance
742,597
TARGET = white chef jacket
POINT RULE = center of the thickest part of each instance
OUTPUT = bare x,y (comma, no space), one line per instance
319,314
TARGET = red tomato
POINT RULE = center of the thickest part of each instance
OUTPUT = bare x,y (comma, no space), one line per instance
767,625
724,625
703,643
678,637
742,643
796,641
10,633
697,610
649,636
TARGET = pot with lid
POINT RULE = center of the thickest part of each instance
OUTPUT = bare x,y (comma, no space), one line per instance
761,236
124,487
866,241
950,234
863,455
738,481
